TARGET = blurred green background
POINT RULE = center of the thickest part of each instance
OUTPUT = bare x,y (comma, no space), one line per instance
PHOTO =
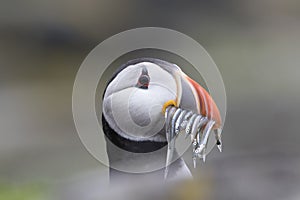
255,44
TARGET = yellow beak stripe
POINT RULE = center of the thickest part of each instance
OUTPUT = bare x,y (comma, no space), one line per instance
167,104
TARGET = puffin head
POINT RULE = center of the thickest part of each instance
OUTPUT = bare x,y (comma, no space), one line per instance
136,98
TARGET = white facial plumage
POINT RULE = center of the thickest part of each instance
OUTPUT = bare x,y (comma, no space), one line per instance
136,113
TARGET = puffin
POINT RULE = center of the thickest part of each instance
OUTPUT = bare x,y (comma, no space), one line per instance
145,103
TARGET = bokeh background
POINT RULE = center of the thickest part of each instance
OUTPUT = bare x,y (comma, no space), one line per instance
256,45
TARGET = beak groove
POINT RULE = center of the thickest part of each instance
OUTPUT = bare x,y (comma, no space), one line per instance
206,105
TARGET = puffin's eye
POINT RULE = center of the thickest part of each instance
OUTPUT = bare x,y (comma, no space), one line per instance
144,80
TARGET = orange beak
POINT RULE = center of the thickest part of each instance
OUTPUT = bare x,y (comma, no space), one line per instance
206,105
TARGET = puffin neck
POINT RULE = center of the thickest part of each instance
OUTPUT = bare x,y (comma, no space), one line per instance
130,145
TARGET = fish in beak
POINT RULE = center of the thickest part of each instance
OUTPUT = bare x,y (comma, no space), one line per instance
193,112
